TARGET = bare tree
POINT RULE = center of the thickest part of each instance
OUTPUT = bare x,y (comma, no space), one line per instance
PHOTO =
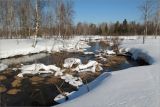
1,18
157,17
146,9
37,21
24,13
24,18
59,10
8,16
116,43
69,18
64,17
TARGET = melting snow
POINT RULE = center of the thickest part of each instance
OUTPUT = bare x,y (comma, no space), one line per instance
110,52
39,69
88,53
62,98
3,67
75,81
90,66
69,62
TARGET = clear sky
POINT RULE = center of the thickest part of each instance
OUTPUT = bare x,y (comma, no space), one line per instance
98,11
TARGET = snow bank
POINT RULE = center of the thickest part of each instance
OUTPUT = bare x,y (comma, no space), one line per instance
90,66
149,51
39,69
75,81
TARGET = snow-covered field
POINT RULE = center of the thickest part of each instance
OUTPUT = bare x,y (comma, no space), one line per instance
133,87
13,47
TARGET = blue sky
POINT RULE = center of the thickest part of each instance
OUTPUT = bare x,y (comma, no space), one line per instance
97,11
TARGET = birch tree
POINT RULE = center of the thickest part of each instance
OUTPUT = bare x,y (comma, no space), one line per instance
146,9
37,21
64,17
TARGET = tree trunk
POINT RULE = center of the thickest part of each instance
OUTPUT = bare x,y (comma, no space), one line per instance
146,30
36,25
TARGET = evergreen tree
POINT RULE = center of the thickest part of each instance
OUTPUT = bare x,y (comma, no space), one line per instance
125,27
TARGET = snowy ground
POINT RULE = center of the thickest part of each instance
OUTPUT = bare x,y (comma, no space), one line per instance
133,87
13,47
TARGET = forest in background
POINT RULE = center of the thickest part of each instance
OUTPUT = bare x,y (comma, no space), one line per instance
46,18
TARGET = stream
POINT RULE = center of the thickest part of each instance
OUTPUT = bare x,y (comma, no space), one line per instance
40,90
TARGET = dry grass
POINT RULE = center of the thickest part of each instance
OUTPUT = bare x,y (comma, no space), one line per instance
18,78
117,59
16,65
16,83
104,43
2,89
13,91
7,72
60,57
69,71
53,80
98,69
2,77
114,60
88,76
36,80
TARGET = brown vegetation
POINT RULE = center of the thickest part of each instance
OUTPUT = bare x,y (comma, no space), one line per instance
88,76
114,60
2,77
2,89
13,91
53,80
36,80
16,83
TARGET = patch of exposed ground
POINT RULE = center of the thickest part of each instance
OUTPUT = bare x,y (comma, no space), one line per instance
110,61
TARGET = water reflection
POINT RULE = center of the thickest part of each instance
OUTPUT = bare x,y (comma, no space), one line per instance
23,59
98,46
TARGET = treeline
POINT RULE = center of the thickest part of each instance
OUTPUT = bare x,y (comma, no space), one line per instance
117,28
27,18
